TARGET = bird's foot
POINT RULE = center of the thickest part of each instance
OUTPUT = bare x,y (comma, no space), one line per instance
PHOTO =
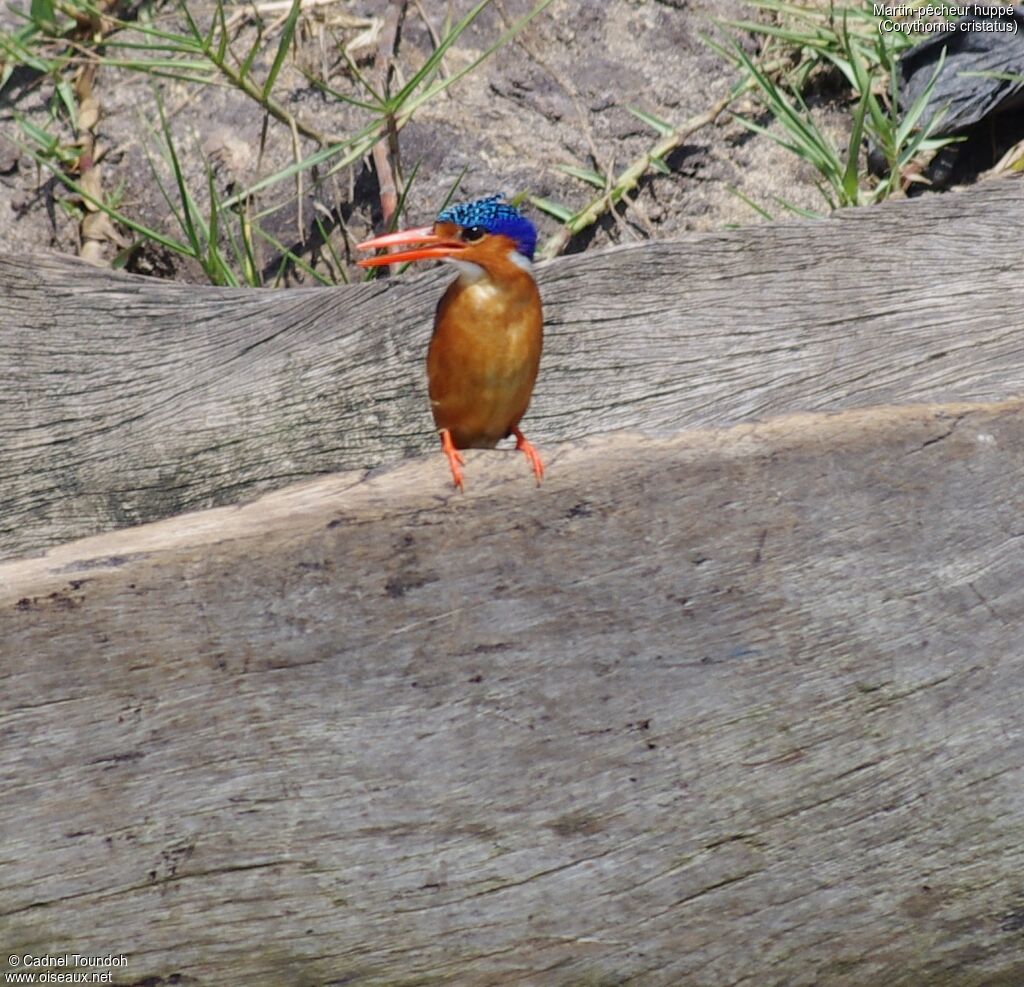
455,458
527,449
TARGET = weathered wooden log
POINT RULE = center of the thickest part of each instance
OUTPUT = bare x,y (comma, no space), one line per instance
127,399
725,708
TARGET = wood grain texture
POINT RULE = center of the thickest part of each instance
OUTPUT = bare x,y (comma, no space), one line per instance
127,399
729,708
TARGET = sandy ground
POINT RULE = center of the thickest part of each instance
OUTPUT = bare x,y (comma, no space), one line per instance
559,94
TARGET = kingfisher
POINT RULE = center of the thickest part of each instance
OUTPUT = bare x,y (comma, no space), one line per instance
488,329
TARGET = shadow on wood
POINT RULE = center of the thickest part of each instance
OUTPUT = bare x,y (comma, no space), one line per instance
127,399
731,707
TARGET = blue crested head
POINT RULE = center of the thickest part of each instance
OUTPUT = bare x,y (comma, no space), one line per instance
495,217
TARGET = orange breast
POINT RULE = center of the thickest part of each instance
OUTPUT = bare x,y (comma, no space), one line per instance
484,355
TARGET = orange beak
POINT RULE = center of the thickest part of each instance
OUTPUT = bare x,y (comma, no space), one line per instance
425,244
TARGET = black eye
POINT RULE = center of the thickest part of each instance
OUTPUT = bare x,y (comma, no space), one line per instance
471,233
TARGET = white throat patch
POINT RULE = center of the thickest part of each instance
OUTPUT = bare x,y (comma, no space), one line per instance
469,273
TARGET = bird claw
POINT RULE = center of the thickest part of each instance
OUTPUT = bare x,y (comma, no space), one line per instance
455,458
527,449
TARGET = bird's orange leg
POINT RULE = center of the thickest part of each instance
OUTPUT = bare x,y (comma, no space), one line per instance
455,458
526,448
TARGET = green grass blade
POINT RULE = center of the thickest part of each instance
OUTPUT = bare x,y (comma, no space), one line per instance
560,212
217,270
326,241
208,39
453,188
350,149
48,145
62,89
243,70
196,38
663,127
911,117
155,172
851,173
175,246
394,103
760,210
1002,76
414,103
798,210
406,186
339,96
288,255
16,53
253,275
43,16
584,175
179,178
222,44
379,103
282,47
